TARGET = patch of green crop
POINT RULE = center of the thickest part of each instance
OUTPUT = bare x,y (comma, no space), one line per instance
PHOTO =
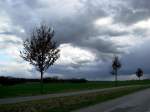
29,89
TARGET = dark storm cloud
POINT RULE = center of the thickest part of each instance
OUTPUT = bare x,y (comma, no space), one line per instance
77,29
141,4
132,11
6,33
138,58
21,13
130,16
80,30
92,72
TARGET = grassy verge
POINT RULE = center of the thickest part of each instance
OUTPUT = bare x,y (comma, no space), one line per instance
29,89
66,104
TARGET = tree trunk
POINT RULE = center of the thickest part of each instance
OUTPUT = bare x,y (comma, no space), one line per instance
116,79
41,82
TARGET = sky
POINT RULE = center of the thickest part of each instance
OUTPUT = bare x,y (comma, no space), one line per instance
89,32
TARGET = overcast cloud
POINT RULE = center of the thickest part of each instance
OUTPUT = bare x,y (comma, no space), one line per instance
89,34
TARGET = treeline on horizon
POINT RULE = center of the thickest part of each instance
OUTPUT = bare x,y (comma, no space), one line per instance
14,80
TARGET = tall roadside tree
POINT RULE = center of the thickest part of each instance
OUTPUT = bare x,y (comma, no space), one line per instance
40,49
139,73
116,64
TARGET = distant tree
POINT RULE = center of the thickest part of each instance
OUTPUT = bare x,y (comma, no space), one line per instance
116,64
40,50
139,73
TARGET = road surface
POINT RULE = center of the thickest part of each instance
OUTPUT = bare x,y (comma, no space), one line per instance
136,102
39,97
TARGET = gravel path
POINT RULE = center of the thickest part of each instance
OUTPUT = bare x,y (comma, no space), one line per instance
136,102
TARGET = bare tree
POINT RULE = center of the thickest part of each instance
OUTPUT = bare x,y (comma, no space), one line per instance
40,49
116,64
139,73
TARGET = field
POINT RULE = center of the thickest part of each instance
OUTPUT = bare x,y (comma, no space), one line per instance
69,103
28,89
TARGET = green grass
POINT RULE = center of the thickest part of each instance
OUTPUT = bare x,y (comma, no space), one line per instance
34,88
66,104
